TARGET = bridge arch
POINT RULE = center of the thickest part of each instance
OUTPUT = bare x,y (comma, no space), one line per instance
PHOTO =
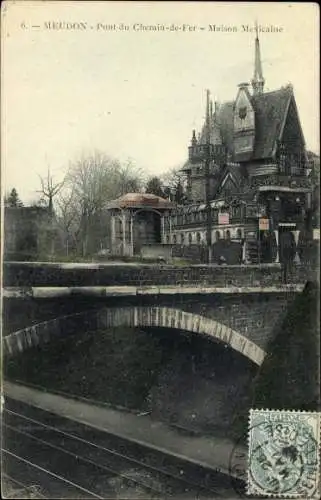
168,317
145,316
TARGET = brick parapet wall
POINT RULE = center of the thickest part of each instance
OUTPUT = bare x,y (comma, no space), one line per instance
255,316
37,274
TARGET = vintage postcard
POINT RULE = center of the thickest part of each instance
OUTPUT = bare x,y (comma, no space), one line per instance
160,233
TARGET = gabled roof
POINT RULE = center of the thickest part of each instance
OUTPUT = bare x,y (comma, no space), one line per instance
228,170
226,120
270,114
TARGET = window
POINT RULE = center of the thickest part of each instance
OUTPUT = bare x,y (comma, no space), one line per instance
227,234
174,239
167,238
198,238
190,238
182,239
217,235
236,211
282,159
239,234
214,215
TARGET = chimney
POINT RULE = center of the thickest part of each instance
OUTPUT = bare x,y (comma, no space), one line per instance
243,85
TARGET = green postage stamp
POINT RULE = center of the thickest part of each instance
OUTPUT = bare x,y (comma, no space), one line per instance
283,458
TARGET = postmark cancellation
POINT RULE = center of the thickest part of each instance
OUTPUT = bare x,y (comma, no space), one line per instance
283,458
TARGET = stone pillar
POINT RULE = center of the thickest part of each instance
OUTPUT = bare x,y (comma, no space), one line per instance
132,215
163,228
113,233
296,235
277,258
124,231
244,252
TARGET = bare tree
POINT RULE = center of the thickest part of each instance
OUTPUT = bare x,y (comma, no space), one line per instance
130,178
49,189
67,218
94,180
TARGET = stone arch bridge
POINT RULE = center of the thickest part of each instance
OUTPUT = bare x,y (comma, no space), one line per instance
244,322
238,306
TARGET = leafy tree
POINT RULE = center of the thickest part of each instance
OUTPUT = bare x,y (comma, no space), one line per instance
174,183
179,194
154,186
12,199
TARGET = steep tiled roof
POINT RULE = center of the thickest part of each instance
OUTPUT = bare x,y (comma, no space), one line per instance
140,200
226,121
270,111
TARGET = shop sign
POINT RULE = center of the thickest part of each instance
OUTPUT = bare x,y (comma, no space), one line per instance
264,224
223,218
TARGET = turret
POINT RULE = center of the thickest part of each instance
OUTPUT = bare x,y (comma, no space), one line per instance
193,140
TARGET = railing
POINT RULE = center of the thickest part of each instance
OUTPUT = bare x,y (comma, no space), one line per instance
281,180
198,152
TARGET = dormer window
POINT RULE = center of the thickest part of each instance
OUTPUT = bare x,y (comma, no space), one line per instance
242,112
244,122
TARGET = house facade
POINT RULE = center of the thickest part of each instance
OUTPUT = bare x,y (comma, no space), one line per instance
256,191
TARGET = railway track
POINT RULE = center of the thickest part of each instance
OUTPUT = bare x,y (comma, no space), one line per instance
60,458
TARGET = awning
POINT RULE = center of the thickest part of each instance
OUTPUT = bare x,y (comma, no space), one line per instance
284,189
218,203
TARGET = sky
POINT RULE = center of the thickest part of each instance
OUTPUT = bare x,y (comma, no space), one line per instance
74,81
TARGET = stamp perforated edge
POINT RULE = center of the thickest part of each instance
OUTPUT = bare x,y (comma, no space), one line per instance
254,494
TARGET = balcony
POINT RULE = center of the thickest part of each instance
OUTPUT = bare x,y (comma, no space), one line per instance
280,180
